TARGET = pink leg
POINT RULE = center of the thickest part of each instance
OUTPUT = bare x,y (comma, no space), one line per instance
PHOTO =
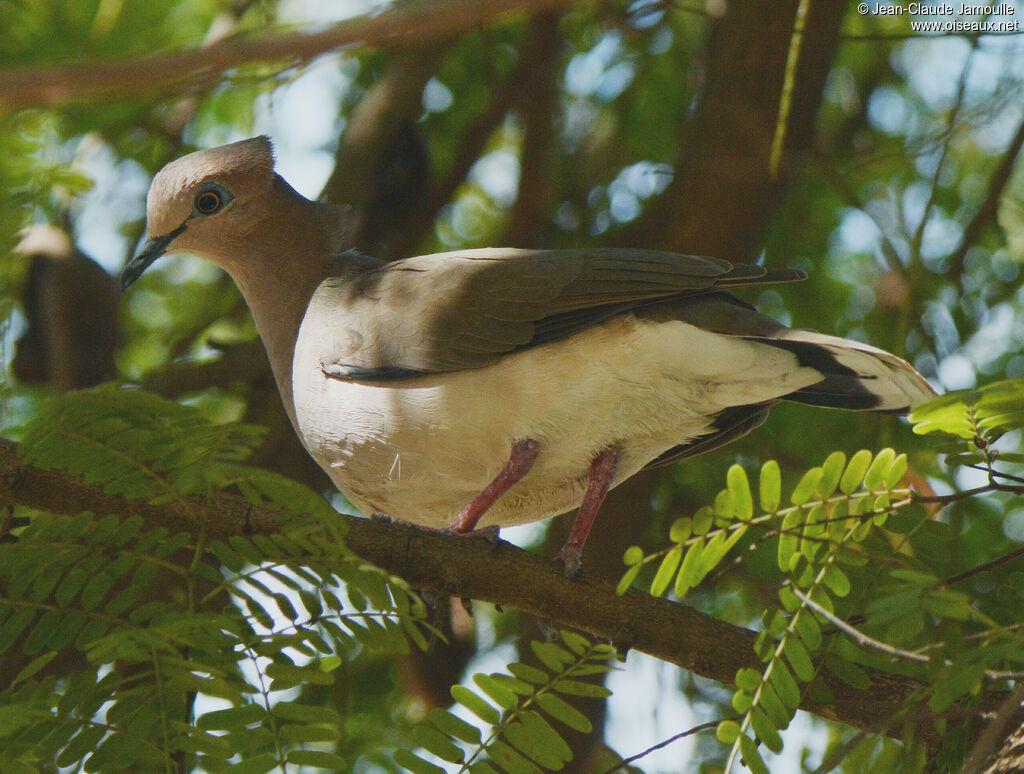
523,455
599,481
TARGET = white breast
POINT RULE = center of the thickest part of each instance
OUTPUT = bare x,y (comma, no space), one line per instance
421,449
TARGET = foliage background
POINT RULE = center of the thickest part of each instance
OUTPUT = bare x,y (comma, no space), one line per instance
882,161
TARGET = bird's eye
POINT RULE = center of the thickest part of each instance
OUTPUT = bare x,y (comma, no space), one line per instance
208,202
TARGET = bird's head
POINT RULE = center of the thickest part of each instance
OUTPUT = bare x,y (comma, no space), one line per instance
205,203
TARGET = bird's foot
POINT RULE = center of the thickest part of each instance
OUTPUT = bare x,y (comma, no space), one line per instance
569,558
489,533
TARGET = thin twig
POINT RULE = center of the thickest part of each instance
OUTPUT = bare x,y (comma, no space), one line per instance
985,567
695,730
870,642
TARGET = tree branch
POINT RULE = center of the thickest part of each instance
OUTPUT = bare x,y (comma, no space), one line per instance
723,193
989,208
408,25
498,573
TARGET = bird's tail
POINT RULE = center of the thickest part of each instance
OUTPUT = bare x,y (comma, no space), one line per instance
855,376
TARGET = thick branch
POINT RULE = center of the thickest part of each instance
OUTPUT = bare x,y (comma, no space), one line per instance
408,25
500,574
723,193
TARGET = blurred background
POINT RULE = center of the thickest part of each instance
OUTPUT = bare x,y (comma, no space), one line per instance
880,160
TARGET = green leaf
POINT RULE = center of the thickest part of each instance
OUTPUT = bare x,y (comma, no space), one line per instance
771,487
773,707
259,764
302,732
814,532
534,737
847,671
415,764
836,580
562,711
232,717
855,470
742,702
948,414
34,666
739,488
509,759
789,539
875,478
666,571
689,572
482,767
517,686
805,489
577,643
578,688
289,676
765,731
702,520
790,602
633,556
528,673
751,756
725,505
455,727
320,759
799,660
681,530
626,582
896,471
475,704
831,472
83,743
43,632
553,656
502,696
94,591
784,684
808,630
727,731
433,741
307,713
748,679
964,679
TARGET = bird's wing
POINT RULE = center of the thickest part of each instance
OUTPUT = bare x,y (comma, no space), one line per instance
455,311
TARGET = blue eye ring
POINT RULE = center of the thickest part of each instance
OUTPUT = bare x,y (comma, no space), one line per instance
210,199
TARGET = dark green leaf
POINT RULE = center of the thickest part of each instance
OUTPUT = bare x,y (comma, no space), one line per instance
475,704
561,710
433,741
454,726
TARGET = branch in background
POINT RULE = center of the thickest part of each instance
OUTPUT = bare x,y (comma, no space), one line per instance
988,209
406,26
538,105
497,573
722,195
471,146
375,123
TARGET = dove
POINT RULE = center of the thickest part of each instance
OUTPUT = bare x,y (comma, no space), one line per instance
497,386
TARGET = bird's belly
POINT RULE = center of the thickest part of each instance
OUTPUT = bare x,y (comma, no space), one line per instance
421,449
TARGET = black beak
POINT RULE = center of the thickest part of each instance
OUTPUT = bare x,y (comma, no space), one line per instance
151,250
